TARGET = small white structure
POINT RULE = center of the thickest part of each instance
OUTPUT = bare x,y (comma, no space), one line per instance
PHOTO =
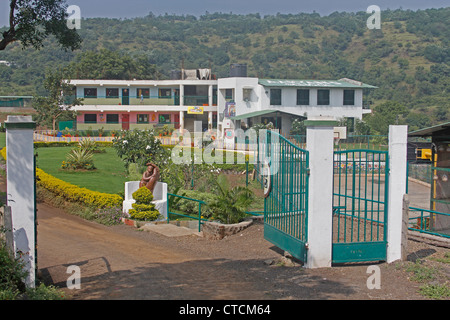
159,197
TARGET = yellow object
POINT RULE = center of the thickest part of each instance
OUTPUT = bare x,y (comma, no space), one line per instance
423,154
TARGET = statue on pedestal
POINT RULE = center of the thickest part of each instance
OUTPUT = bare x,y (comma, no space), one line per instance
150,177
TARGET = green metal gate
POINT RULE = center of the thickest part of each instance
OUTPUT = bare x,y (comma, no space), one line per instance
360,205
285,177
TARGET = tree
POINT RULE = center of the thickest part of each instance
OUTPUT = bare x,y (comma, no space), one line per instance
59,100
385,114
139,147
107,64
31,21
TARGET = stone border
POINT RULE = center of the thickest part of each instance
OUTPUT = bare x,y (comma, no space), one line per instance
210,230
218,231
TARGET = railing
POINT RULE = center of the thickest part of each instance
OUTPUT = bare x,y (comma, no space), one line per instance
173,100
171,201
50,138
429,221
372,142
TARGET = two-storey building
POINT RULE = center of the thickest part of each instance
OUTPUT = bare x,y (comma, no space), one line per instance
145,104
243,102
222,104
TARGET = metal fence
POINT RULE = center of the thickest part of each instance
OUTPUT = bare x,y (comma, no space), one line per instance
171,209
429,222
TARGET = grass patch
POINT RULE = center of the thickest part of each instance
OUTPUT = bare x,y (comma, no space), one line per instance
435,291
421,273
2,140
432,276
109,177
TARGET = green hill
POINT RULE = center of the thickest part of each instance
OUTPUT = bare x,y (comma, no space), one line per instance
408,58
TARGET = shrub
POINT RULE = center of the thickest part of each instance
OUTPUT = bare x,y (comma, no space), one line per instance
143,195
191,207
144,215
231,204
143,209
79,159
11,274
90,145
108,216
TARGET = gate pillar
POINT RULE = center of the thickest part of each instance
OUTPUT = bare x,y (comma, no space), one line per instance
319,141
21,189
398,138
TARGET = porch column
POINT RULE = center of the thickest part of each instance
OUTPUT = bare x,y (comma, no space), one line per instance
181,121
210,120
21,193
398,137
181,95
210,95
319,141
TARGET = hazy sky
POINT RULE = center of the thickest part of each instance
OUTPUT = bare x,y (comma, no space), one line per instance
139,8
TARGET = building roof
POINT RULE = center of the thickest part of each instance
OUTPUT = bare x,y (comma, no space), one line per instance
341,83
437,129
90,82
259,113
16,97
252,114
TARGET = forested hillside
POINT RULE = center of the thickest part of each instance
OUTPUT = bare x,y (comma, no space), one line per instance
408,58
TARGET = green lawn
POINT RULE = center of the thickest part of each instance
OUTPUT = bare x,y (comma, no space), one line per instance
109,177
2,140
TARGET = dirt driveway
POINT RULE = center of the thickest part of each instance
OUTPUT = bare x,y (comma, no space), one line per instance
121,262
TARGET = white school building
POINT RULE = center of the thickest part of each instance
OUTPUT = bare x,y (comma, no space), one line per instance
220,104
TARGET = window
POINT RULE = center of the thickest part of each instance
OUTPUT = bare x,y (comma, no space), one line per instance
112,118
165,93
90,118
349,97
275,97
303,97
229,94
164,118
143,93
142,118
112,93
90,92
247,94
323,97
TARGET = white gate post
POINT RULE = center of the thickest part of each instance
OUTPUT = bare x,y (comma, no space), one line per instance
20,189
398,138
319,141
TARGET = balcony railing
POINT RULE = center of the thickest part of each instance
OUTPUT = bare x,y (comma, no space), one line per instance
146,100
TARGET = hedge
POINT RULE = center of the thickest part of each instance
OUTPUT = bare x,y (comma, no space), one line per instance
74,193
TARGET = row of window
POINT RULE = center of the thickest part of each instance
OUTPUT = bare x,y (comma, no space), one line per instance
112,93
141,118
303,96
